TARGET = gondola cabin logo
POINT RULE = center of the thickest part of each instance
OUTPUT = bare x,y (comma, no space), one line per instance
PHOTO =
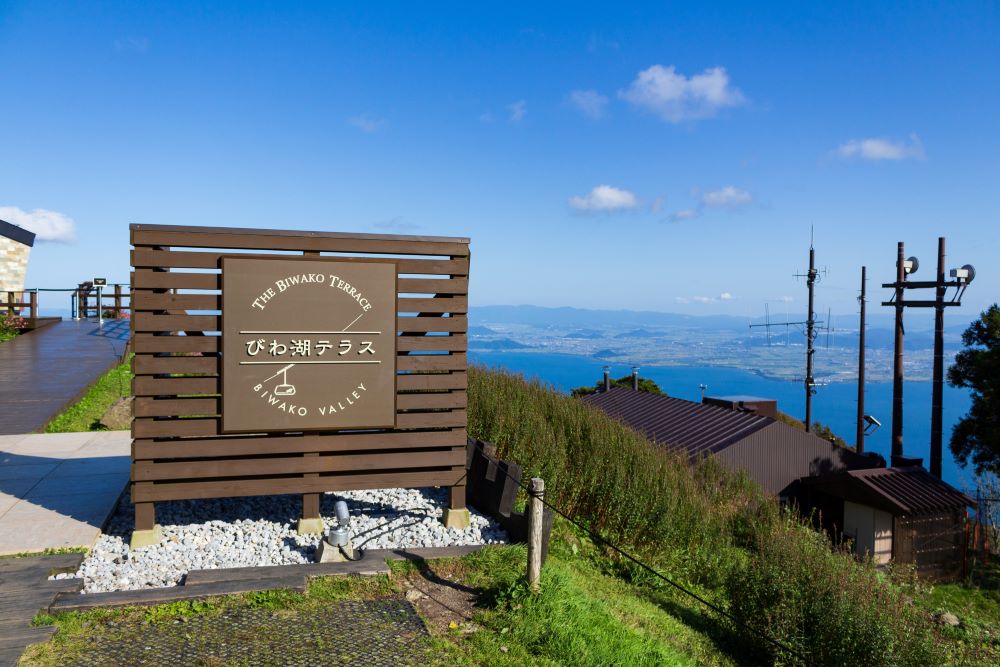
308,345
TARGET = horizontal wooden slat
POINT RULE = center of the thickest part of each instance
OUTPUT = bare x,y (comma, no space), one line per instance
254,445
142,322
456,304
436,362
446,401
167,259
145,406
148,343
143,364
175,407
186,428
143,471
151,386
432,285
149,322
459,324
150,279
154,492
453,343
148,300
304,241
434,382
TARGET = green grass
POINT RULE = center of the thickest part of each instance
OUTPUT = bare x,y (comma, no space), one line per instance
85,414
976,602
48,552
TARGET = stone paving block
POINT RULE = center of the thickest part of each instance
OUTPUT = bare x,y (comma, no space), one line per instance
6,502
99,465
18,487
27,527
36,471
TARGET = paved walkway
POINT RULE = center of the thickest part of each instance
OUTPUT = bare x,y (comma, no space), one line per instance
57,489
43,371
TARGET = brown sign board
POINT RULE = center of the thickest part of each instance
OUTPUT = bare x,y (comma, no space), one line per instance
308,344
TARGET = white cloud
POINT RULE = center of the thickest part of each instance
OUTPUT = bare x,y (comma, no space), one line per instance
366,123
656,205
46,225
486,118
725,296
604,199
785,299
684,214
589,102
518,110
675,97
727,197
882,149
135,44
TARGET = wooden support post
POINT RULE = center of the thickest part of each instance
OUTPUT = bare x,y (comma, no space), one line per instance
145,516
535,532
34,309
10,304
146,531
118,301
311,521
456,515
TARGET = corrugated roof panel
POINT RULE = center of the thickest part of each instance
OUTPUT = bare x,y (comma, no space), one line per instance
676,423
912,489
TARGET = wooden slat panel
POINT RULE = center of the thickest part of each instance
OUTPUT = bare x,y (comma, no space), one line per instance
150,471
148,343
249,446
147,300
435,382
184,428
143,364
250,240
457,304
262,487
433,285
150,279
150,386
211,260
142,322
447,401
183,407
435,362
148,322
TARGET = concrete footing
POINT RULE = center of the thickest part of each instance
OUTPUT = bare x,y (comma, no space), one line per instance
328,553
310,526
456,518
145,538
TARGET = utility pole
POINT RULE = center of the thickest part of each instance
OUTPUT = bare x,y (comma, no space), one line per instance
859,440
960,279
810,335
897,363
937,390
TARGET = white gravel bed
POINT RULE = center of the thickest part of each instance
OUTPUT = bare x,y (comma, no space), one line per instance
244,532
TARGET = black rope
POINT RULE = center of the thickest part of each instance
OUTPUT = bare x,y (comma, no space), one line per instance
597,537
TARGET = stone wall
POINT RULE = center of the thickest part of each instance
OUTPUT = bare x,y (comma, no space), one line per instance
13,265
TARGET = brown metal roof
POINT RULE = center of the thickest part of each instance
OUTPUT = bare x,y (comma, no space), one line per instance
900,490
676,423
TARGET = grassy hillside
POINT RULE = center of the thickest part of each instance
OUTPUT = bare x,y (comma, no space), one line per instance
709,529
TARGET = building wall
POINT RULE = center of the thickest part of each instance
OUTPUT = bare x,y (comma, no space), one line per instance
778,455
13,265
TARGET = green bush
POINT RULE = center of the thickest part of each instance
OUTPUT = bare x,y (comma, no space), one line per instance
703,525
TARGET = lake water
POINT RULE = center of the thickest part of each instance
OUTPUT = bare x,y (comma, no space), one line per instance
834,405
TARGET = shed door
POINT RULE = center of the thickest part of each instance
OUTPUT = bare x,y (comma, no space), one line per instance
871,530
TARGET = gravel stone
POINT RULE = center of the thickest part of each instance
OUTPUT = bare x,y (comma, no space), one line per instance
247,532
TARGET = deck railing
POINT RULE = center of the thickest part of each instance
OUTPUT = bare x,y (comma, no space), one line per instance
23,305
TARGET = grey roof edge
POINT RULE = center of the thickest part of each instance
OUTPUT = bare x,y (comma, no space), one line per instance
19,234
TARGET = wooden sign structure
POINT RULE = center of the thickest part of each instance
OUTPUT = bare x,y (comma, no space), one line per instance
283,362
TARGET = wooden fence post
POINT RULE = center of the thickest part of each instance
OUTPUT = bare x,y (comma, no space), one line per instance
33,300
535,532
10,303
118,302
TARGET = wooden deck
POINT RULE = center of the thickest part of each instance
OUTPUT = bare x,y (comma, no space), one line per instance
25,590
43,371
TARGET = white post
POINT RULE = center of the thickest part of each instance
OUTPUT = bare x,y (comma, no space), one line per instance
535,512
100,308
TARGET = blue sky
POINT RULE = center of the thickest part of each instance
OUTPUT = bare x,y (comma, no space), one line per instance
651,156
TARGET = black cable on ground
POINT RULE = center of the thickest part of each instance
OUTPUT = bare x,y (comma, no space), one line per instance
598,538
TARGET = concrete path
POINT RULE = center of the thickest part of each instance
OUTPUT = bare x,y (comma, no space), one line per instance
43,371
57,489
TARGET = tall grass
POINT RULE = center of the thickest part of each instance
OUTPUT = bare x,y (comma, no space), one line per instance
701,524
